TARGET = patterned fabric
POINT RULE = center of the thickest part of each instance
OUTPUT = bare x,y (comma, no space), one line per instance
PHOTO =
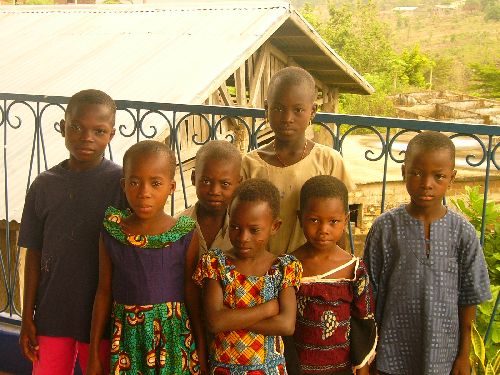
113,218
149,337
329,313
243,351
154,339
418,297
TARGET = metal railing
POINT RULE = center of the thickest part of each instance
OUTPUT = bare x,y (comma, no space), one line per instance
29,125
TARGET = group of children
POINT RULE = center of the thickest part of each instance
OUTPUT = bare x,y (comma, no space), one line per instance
251,279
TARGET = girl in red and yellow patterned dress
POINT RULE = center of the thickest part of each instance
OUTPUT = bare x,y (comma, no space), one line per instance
249,294
335,331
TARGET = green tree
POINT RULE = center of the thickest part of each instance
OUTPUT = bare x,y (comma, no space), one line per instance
356,32
492,13
486,80
413,66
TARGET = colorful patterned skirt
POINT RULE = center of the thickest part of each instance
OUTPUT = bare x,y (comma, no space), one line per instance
152,339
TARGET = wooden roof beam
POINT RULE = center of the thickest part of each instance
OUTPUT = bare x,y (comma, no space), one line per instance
258,73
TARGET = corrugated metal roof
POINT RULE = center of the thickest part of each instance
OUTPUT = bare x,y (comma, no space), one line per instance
179,52
172,53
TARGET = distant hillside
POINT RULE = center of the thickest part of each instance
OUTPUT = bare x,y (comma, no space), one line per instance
453,38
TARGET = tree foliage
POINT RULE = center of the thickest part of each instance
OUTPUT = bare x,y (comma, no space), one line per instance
357,33
486,80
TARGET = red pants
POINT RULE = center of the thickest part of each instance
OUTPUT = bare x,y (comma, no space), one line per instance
57,355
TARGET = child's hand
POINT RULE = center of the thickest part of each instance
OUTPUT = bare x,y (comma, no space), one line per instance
28,340
272,307
94,366
461,366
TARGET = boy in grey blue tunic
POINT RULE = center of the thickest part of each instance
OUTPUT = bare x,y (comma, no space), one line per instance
427,268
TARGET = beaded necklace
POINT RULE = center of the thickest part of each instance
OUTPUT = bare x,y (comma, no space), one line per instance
281,161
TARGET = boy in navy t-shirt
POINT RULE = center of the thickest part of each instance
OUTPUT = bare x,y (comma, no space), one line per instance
60,228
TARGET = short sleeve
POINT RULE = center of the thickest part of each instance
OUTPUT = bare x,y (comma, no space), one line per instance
474,280
31,229
292,272
208,267
364,303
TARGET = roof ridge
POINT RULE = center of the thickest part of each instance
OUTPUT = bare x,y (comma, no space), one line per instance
137,8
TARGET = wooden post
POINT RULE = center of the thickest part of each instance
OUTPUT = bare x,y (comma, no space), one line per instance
255,83
239,79
335,100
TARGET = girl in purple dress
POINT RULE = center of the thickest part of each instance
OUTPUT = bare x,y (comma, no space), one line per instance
145,265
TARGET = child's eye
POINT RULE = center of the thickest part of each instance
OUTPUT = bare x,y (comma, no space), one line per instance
233,227
255,230
299,110
277,109
335,221
75,127
205,181
100,132
156,183
440,177
133,183
313,220
417,173
226,184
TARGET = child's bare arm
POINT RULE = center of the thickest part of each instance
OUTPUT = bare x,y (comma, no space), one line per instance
27,337
466,315
220,318
282,324
193,302
102,310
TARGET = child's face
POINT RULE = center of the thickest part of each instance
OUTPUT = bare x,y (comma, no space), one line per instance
289,111
251,224
87,131
323,221
147,184
427,176
215,184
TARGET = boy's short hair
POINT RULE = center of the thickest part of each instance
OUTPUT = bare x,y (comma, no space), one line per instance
151,147
292,76
259,190
324,186
217,150
429,141
91,96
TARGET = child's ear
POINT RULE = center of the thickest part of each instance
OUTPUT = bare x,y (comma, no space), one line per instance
275,226
453,175
266,109
347,218
173,184
122,183
112,134
193,178
314,110
62,127
403,168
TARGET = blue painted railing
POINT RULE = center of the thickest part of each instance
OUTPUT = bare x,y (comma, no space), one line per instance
29,121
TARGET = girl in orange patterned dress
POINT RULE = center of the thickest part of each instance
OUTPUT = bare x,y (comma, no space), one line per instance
249,294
